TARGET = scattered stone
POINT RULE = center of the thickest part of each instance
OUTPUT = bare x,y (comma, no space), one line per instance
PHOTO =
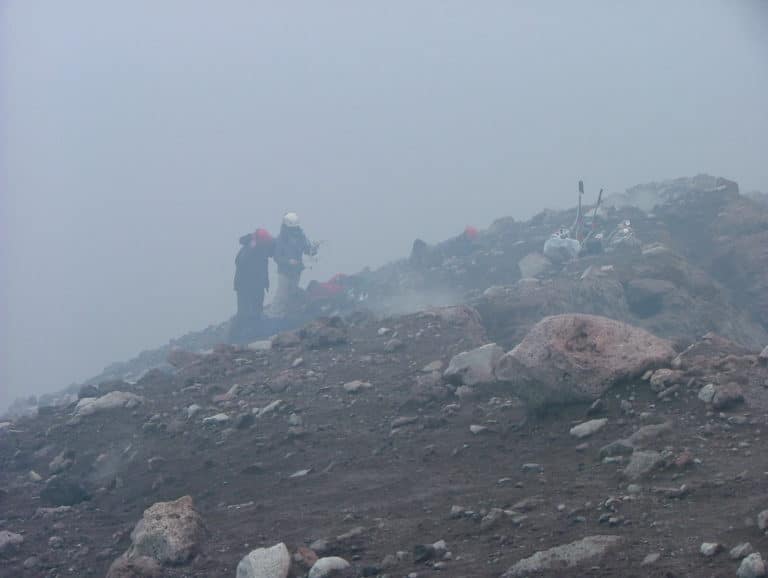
751,567
10,542
285,340
650,559
320,546
274,562
727,396
62,462
356,386
423,552
263,345
228,396
763,357
269,408
642,463
478,429
403,421
436,365
169,532
393,345
491,519
215,420
326,567
709,549
140,567
665,378
589,549
193,410
741,551
31,563
474,367
707,393
588,428
300,474
34,476
597,407
531,467
324,332
762,520
112,400
465,392
617,448
648,432
305,558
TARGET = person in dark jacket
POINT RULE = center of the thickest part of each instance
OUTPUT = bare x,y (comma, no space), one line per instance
290,247
252,273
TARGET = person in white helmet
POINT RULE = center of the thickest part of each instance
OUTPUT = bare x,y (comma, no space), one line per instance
290,247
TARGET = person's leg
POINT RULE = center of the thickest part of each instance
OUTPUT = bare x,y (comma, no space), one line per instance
242,303
258,302
282,295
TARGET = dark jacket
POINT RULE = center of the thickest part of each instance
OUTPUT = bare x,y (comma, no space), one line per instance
252,263
291,245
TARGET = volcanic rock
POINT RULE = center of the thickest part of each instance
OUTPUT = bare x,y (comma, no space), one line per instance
567,358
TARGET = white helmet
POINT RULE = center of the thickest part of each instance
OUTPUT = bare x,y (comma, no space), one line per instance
291,220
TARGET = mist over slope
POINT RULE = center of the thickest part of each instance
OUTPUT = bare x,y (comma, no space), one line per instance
484,411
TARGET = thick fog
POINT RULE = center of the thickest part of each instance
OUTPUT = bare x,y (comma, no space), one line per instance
142,138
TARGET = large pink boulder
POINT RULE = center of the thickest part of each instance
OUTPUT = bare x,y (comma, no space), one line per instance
568,358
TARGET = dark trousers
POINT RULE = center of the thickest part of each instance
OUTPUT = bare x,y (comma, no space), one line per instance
250,304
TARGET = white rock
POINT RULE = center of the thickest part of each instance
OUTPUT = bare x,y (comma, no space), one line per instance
263,345
586,550
274,562
762,520
588,427
436,365
356,385
709,549
193,410
112,400
217,419
10,541
474,367
642,463
383,331
169,532
707,393
751,567
477,429
650,559
741,551
300,473
324,566
269,408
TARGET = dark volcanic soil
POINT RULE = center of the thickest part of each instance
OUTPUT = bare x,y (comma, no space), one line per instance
397,484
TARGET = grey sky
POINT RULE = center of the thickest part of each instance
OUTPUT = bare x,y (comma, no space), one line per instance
141,138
